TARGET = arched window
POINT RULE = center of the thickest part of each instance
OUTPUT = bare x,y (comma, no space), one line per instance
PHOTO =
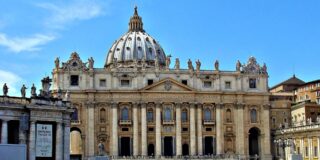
74,115
150,115
167,114
253,115
102,115
125,114
207,114
228,115
184,115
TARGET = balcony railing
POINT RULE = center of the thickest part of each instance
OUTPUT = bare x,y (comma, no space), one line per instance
168,122
209,122
125,122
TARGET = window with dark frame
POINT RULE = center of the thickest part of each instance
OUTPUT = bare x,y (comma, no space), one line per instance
252,83
74,80
184,81
150,81
207,84
227,85
125,83
102,83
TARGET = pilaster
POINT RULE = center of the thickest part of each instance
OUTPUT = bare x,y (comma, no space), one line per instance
193,146
135,129
178,129
199,128
158,129
143,129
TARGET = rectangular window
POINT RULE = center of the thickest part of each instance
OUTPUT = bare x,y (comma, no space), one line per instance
150,81
252,83
207,84
102,83
316,151
74,80
150,116
227,85
208,129
184,129
125,83
184,81
307,152
125,129
150,129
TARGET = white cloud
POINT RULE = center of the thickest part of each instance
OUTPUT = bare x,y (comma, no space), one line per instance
12,81
19,44
65,14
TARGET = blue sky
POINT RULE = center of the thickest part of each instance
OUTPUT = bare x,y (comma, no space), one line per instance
283,34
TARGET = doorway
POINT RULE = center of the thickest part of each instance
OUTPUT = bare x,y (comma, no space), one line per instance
13,132
185,149
150,150
208,145
125,146
168,146
254,135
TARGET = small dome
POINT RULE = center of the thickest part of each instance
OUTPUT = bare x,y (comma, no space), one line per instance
136,46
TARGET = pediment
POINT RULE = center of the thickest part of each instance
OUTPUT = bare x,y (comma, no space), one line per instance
167,84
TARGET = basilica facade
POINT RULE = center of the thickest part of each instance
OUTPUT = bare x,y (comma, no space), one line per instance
137,104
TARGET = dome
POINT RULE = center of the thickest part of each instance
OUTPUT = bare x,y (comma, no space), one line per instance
136,46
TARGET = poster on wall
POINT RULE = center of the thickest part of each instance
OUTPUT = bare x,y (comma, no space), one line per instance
44,140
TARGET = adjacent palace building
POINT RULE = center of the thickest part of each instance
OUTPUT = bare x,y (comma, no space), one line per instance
137,105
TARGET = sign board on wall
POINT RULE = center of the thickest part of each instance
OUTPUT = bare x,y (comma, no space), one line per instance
44,140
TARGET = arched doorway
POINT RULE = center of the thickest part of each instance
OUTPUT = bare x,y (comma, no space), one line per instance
185,149
254,141
75,144
208,145
150,150
168,146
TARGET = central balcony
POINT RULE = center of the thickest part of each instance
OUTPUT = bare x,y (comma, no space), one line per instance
125,122
209,122
168,122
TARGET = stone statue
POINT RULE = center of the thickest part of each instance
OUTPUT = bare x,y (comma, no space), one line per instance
177,64
67,96
264,68
168,61
156,62
57,63
238,66
5,89
33,91
198,65
59,93
115,62
23,91
101,148
91,63
216,65
190,66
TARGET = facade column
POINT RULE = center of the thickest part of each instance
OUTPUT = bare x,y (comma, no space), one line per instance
4,132
193,146
114,144
59,141
158,129
32,141
135,129
239,129
178,129
90,137
199,128
219,130
143,129
266,129
66,137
